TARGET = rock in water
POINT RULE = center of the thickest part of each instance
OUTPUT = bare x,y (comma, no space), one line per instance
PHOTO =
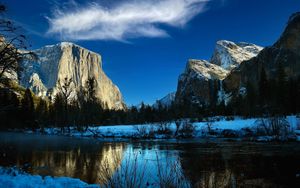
68,60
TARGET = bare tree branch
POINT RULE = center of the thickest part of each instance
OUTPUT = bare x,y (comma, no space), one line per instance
12,46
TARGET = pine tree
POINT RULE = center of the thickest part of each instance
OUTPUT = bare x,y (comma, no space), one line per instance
27,109
250,100
298,94
42,113
221,108
9,109
142,113
59,110
133,115
263,88
93,105
65,91
291,105
273,103
65,88
214,88
91,89
281,89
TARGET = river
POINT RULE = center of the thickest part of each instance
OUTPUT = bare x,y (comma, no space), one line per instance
200,163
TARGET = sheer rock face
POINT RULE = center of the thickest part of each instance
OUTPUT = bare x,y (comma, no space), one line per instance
286,51
67,60
198,82
229,55
202,81
290,39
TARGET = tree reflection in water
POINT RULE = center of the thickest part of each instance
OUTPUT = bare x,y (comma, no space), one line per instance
241,165
61,156
78,164
200,163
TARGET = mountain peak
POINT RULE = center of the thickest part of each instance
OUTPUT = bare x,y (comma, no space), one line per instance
166,101
229,54
60,44
290,38
64,44
67,44
201,78
294,17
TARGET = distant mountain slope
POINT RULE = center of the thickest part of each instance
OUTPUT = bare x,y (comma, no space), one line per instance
166,101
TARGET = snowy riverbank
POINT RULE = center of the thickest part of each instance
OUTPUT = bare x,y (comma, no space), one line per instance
14,178
216,127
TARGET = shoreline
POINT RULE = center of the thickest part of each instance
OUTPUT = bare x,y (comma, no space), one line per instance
233,130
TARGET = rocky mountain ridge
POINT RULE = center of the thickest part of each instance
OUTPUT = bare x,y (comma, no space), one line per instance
229,55
285,52
201,81
239,64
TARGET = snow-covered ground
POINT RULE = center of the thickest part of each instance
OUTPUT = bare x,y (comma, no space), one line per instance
14,178
217,124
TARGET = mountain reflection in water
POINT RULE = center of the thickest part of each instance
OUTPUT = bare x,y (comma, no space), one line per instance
61,156
214,164
242,164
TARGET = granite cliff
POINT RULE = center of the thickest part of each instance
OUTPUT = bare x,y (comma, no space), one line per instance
285,53
68,60
201,82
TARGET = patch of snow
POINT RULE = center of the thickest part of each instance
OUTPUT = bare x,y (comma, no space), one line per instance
229,55
66,44
36,85
243,91
222,95
14,178
206,70
132,131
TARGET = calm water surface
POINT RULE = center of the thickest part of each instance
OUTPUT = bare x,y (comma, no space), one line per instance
215,163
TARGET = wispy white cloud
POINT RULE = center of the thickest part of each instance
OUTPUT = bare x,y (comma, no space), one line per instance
129,19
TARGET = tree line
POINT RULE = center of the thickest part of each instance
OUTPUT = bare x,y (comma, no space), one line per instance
66,110
272,96
278,95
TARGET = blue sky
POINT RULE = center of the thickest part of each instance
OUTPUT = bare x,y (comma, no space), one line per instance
145,44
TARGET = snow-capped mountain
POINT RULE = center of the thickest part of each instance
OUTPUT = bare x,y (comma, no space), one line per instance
201,82
204,69
197,82
229,55
166,101
233,65
68,60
